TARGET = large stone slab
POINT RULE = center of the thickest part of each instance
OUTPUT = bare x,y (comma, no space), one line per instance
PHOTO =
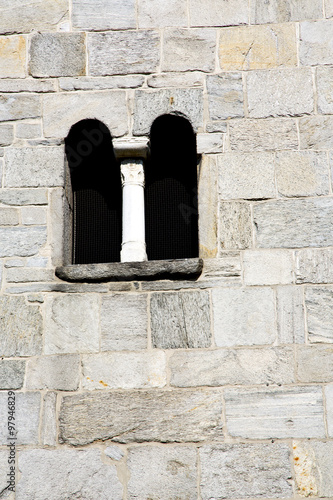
21,242
132,416
268,267
319,307
159,14
263,12
235,225
11,374
325,89
18,107
23,196
314,364
313,464
100,15
59,372
316,44
12,57
290,315
27,410
101,83
314,265
212,13
13,85
316,132
225,96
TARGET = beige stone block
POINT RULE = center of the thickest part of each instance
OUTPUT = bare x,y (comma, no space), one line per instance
192,79
49,422
273,267
9,216
314,265
316,132
225,96
290,315
213,13
19,106
159,13
316,43
101,83
314,364
319,306
313,465
328,8
59,372
207,201
235,226
12,57
280,11
325,89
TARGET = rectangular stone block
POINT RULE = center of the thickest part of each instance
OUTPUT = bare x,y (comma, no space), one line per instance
21,242
19,106
9,216
192,79
275,413
28,130
294,223
23,196
26,85
314,364
235,226
328,8
319,306
11,374
213,13
276,93
313,465
3,479
102,15
49,422
244,316
173,324
290,315
159,14
329,409
245,471
12,57
316,132
27,409
32,216
210,143
316,44
227,266
325,89
225,96
281,12
59,373
101,83
26,275
132,416
207,203
272,267
189,49
314,265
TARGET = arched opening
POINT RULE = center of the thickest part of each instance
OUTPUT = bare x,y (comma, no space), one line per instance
96,188
171,190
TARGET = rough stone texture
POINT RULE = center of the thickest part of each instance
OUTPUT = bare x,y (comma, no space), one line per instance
263,12
278,223
316,44
114,452
12,57
228,266
62,111
314,364
318,303
163,473
329,408
290,315
16,318
207,204
189,49
124,370
225,96
150,105
173,324
316,132
156,415
23,196
33,216
192,79
53,372
124,322
26,85
157,14
21,241
58,287
209,143
313,468
245,470
27,409
101,83
74,472
212,13
9,216
258,47
328,8
4,467
325,89
49,422
71,324
217,126
314,265
11,374
273,267
235,226
232,367
302,173
276,93
57,54
277,413
246,176
100,15
42,167
19,106
243,316
115,52
28,130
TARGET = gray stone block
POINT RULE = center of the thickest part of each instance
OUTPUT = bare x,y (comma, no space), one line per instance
24,275
245,470
28,130
325,89
207,206
6,134
31,216
27,410
290,315
114,452
21,242
329,409
277,413
313,468
316,132
23,196
173,324
227,266
192,79
328,8
314,265
100,15
210,143
210,13
268,267
9,216
101,83
316,44
19,107
27,85
225,96
4,466
159,14
54,372
11,374
263,12
314,364
132,416
235,226
318,303
49,421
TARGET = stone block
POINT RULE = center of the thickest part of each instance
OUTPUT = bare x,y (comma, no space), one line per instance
49,422
59,372
272,267
151,104
32,216
210,143
244,316
23,196
314,265
28,130
275,413
314,364
124,370
319,307
313,468
246,175
159,14
276,92
71,324
21,242
9,216
225,96
189,49
114,452
278,223
115,52
217,126
235,226
4,467
101,83
162,472
227,266
124,322
173,324
102,15
316,132
18,107
11,374
211,13
26,85
16,316
245,470
136,416
329,409
57,54
328,4
207,202
192,79
12,57
263,12
62,111
316,44
74,472
27,409
290,315
258,47
325,89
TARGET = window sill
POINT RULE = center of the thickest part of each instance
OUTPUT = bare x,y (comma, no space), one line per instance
132,271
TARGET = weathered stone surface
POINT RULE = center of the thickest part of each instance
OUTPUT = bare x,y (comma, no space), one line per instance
27,409
245,470
26,85
207,204
189,49
173,324
115,52
314,364
316,45
150,105
243,316
54,372
192,79
314,265
157,14
59,287
100,15
316,132
11,374
61,111
19,106
49,422
325,89
162,472
277,413
9,216
33,216
21,241
28,130
71,324
278,223
217,126
225,96
276,93
114,452
12,57
272,267
4,467
290,315
228,265
23,196
209,143
235,226
313,465
42,167
132,416
101,83
172,285
57,54
74,472
281,12
124,370
329,408
318,303
246,175
263,135
258,47
211,13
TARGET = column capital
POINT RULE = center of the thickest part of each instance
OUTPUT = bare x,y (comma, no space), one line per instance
132,172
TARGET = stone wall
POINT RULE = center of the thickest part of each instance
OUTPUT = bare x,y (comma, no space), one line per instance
220,387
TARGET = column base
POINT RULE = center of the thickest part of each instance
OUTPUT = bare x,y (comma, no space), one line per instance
133,251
